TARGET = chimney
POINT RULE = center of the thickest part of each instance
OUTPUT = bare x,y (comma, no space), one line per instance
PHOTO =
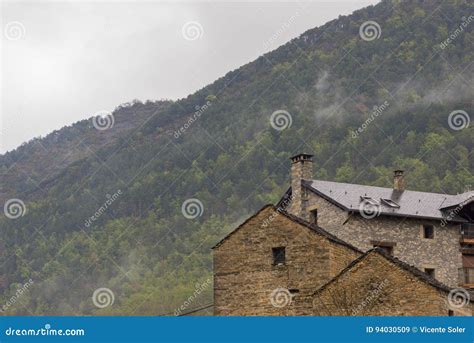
301,169
398,180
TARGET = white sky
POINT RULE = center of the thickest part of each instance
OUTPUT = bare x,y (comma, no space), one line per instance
79,57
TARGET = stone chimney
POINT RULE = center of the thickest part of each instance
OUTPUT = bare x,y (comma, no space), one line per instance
301,169
398,180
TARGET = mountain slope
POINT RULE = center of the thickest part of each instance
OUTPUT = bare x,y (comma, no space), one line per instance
218,146
33,164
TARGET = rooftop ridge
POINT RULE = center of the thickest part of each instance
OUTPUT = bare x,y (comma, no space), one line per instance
403,265
385,188
406,203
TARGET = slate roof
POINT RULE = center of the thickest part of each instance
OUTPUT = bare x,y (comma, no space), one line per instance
454,200
411,203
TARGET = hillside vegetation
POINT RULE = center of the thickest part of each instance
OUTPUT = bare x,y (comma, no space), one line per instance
218,146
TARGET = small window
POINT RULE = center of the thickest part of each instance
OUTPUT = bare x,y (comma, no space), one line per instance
278,255
450,313
428,231
430,272
314,216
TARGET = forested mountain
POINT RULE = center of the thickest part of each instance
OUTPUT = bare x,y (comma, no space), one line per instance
30,167
219,146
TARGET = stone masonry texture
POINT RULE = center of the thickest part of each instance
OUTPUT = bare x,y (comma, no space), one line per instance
441,253
376,286
245,276
300,171
247,281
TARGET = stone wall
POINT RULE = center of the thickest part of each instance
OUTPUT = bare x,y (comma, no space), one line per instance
247,283
378,287
441,253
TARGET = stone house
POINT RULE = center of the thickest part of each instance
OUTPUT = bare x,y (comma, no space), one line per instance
432,231
284,259
274,260
378,284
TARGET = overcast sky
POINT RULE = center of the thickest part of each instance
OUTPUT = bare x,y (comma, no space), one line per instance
63,61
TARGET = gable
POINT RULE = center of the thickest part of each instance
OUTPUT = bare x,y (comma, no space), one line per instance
267,218
380,258
248,268
267,222
378,284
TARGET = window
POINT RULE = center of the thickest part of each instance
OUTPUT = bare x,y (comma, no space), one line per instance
450,313
430,272
278,255
467,230
314,216
428,231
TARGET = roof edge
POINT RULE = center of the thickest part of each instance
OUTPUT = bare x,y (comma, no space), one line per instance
285,196
423,277
307,184
314,228
243,223
319,230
